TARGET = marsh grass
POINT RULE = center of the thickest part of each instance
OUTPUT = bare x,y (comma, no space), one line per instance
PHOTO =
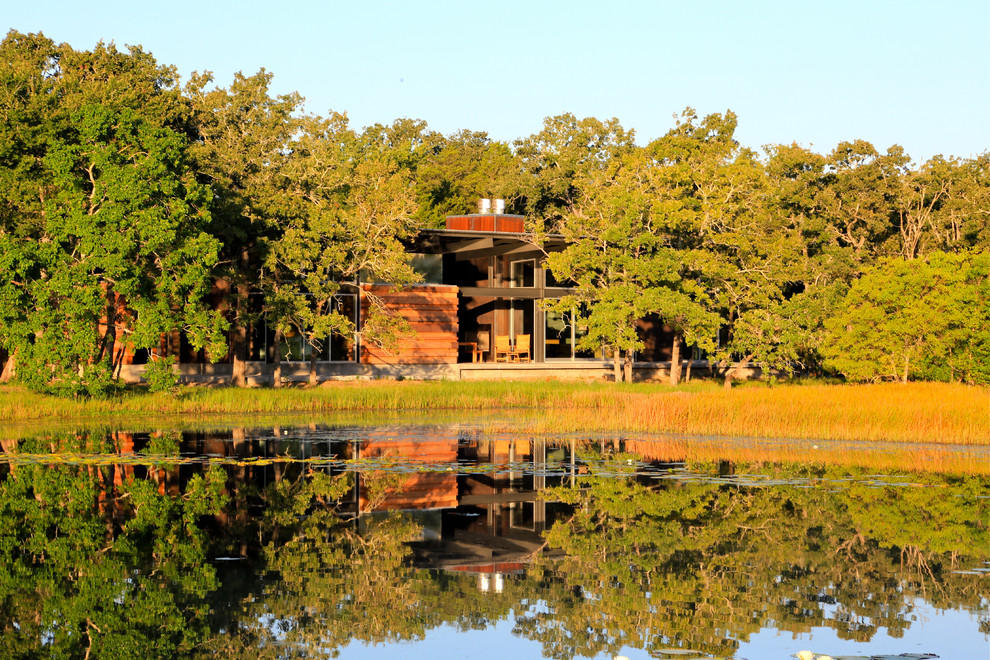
926,413
899,457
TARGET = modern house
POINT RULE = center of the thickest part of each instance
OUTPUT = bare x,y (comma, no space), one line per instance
477,314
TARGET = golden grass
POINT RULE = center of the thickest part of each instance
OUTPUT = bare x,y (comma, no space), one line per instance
890,458
927,413
936,413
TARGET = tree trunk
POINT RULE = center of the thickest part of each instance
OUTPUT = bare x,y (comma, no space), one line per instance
118,361
730,373
675,360
687,375
277,375
238,338
627,368
8,368
108,350
617,365
312,366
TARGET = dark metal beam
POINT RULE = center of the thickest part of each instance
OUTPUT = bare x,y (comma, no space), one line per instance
526,293
498,249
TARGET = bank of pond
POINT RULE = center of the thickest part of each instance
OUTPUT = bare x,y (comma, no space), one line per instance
930,413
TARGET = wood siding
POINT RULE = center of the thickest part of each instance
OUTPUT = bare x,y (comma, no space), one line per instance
430,311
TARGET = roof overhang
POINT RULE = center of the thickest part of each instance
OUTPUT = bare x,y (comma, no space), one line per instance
467,244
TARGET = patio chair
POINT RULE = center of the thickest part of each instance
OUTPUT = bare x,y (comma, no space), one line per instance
503,348
484,345
522,353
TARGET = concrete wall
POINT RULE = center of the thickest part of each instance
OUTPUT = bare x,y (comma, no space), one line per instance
260,373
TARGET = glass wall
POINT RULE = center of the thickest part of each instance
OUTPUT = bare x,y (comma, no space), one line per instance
428,266
296,347
563,332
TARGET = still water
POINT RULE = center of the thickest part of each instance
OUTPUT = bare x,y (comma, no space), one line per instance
426,541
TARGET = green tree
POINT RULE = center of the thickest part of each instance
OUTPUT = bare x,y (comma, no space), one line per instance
944,205
354,206
560,160
860,198
463,168
623,261
915,317
243,145
788,335
731,244
103,238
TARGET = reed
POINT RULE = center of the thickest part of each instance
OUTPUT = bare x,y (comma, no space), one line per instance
925,413
902,458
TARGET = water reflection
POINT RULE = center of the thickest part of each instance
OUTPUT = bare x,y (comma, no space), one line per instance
285,542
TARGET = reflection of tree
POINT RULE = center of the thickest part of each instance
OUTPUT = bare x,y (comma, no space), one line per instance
325,580
704,565
114,558
94,568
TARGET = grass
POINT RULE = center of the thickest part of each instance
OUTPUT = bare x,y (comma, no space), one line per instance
927,413
898,457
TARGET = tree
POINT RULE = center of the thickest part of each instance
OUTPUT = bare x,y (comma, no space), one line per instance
461,169
921,316
944,205
103,238
559,161
860,197
355,202
733,248
624,259
788,335
242,148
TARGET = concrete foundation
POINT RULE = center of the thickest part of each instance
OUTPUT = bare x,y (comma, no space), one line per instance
260,374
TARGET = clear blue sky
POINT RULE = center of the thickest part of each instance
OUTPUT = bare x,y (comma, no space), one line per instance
908,72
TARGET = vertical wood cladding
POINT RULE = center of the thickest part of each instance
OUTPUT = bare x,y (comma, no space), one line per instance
430,311
497,222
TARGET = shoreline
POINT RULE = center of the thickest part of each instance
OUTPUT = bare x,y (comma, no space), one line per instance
922,413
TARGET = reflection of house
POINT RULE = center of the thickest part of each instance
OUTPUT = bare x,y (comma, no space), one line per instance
477,314
428,489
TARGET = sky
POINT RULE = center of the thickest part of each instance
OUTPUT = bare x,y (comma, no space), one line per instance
907,72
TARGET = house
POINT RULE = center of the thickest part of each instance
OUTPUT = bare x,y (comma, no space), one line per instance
476,314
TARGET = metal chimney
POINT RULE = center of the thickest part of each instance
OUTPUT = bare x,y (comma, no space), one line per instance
500,206
485,206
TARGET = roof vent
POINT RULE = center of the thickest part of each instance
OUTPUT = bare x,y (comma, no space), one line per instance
500,206
485,206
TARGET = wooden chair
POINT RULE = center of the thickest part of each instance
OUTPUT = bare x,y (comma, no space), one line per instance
484,345
522,352
503,348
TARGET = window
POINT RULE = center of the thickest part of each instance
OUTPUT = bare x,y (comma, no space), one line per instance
429,267
522,273
563,331
296,346
552,282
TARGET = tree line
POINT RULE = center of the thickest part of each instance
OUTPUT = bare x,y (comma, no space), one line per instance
126,196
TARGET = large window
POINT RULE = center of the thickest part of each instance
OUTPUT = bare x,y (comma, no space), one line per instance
563,331
296,347
429,267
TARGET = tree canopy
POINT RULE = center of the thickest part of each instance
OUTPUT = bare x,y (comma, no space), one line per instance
127,202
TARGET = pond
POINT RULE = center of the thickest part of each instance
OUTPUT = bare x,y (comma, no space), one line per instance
421,540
